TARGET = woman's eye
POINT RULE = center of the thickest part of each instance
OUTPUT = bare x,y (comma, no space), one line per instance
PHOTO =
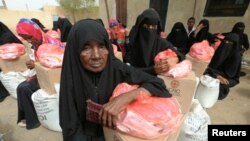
102,46
86,47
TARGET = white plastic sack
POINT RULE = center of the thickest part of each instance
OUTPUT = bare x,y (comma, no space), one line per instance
57,87
207,91
47,109
28,73
195,126
10,81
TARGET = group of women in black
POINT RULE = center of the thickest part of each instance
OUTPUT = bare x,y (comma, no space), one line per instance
91,71
225,65
89,55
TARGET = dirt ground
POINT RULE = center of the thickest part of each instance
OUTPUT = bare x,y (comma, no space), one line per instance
232,110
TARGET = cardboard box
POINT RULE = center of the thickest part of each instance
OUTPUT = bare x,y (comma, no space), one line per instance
47,77
198,66
17,65
113,135
183,89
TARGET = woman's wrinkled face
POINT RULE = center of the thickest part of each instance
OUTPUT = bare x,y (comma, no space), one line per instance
94,56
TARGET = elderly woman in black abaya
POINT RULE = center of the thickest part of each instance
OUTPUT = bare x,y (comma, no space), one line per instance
90,71
226,63
146,43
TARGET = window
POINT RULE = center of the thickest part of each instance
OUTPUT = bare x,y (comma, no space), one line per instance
161,6
225,8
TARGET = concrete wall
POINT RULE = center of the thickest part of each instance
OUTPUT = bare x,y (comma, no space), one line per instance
11,17
178,10
134,8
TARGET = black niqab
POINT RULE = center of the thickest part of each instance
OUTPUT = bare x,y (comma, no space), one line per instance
145,44
178,36
227,59
6,36
64,25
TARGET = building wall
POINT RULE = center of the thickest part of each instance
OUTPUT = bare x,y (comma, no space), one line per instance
178,10
134,8
11,17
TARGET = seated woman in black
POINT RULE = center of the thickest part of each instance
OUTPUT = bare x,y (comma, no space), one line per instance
226,63
178,37
146,43
90,71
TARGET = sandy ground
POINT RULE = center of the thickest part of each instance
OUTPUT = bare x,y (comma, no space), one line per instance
232,110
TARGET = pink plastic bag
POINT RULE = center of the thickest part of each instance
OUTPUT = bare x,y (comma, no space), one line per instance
179,70
11,51
50,56
148,117
53,37
164,55
201,51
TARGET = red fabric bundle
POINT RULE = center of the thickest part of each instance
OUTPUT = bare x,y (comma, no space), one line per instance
50,55
11,51
201,51
148,117
164,55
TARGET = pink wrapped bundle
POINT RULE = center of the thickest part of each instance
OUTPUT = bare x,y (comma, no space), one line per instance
148,117
201,51
50,55
181,69
164,55
11,51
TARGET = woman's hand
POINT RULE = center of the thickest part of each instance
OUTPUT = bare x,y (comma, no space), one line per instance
109,113
223,80
30,64
166,64
198,29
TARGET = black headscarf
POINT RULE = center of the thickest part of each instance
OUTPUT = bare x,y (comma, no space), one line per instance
144,43
6,36
64,25
227,59
239,29
39,24
178,36
204,32
78,84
